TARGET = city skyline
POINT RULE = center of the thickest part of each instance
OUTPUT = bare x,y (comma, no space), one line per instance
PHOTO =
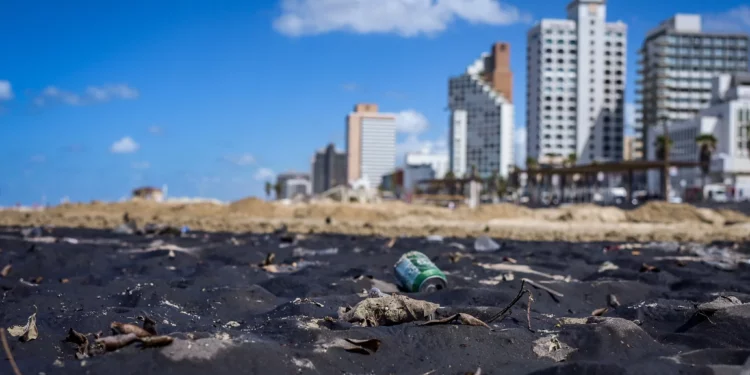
213,101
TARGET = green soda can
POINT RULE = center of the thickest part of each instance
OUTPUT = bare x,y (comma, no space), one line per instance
416,273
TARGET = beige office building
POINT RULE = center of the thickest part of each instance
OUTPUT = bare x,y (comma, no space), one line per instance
370,144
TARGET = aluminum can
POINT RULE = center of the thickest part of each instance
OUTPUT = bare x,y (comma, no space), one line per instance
416,273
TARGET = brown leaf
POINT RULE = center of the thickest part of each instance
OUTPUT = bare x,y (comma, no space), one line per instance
125,328
156,341
635,252
112,343
81,340
370,344
6,270
37,280
599,312
649,268
64,281
270,257
28,332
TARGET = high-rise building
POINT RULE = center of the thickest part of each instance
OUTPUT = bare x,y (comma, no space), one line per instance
481,120
575,86
370,144
678,61
328,169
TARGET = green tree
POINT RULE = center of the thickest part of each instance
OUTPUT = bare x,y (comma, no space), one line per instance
269,187
277,190
572,159
660,147
707,144
531,163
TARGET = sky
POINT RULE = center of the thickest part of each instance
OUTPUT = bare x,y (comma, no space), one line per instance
213,98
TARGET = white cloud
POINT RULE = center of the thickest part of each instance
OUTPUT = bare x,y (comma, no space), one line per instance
93,94
40,158
125,145
411,122
263,174
6,90
413,143
155,130
141,165
241,160
736,19
407,18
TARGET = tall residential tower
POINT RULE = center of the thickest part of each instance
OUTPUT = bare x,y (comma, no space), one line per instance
576,83
481,121
678,62
370,144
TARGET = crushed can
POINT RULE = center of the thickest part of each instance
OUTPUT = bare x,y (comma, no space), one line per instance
416,273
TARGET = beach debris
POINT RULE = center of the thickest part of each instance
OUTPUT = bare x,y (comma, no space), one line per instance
477,372
64,280
528,311
32,232
156,341
299,301
501,315
457,245
125,228
649,268
485,244
149,325
461,318
303,363
608,266
416,273
543,287
612,301
498,279
375,293
722,302
6,270
270,258
27,332
391,243
457,256
112,343
509,260
366,347
301,252
723,258
551,347
387,311
8,353
171,254
72,241
81,340
231,324
600,311
126,328
294,267
521,268
434,238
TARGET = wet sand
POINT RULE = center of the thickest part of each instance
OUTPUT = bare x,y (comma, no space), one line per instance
229,316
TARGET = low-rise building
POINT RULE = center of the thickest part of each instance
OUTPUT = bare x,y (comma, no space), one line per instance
728,120
292,184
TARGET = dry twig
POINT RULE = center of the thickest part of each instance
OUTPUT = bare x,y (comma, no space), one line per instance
544,288
501,314
12,361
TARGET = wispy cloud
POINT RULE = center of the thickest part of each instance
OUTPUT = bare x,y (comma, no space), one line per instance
734,20
263,174
156,130
241,160
411,122
407,18
6,90
141,165
350,87
125,145
93,94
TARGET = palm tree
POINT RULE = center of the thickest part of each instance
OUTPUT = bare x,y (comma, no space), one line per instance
707,144
277,190
572,159
269,187
450,181
660,147
531,163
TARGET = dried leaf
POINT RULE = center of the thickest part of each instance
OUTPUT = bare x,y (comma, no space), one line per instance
613,301
64,281
6,270
81,340
270,257
112,343
156,341
599,312
370,345
149,325
125,328
649,268
635,252
37,280
28,332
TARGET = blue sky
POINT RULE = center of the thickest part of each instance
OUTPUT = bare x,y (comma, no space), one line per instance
214,97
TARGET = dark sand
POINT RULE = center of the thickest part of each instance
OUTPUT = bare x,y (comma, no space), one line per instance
242,319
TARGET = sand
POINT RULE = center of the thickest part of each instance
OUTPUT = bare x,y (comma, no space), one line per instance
653,221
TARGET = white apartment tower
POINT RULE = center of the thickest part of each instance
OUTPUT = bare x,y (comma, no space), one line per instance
677,64
370,144
481,120
576,83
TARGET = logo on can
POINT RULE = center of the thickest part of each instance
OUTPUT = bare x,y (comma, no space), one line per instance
416,273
